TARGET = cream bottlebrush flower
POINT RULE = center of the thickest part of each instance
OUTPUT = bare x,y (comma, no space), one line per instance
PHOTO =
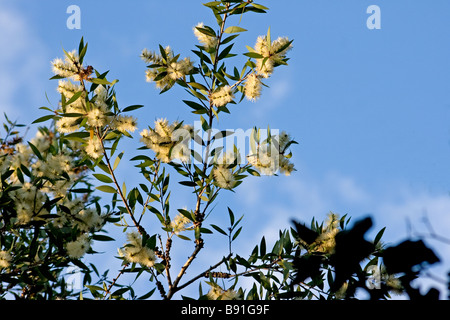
156,58
75,205
272,56
125,123
68,89
179,223
168,141
217,293
76,249
222,96
214,293
69,67
208,42
270,157
266,160
101,92
96,117
67,125
53,166
174,69
29,203
224,177
24,213
326,241
89,220
134,252
286,167
179,69
41,142
5,259
228,158
252,87
22,156
94,148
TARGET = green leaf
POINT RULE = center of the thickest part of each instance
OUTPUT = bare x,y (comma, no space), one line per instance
163,52
205,230
229,38
262,247
234,29
147,295
197,94
218,229
225,52
103,178
101,237
253,55
188,183
133,107
231,214
35,151
44,118
117,161
107,189
205,124
100,81
259,6
196,106
198,86
94,288
74,98
237,233
78,136
160,76
207,30
183,237
378,236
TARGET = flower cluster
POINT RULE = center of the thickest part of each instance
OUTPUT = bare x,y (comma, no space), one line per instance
217,293
273,54
169,141
70,67
95,113
209,42
165,68
269,156
269,56
43,176
30,203
180,223
326,241
222,96
223,173
135,252
5,259
252,87
76,249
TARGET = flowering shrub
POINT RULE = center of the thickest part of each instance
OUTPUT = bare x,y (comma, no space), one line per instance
50,210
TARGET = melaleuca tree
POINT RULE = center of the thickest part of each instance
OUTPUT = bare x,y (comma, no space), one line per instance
51,212
48,214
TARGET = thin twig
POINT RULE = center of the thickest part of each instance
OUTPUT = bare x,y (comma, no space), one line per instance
204,273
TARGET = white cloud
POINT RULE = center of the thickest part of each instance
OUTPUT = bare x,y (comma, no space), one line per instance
275,203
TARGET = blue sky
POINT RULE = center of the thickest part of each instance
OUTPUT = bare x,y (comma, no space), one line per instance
369,108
